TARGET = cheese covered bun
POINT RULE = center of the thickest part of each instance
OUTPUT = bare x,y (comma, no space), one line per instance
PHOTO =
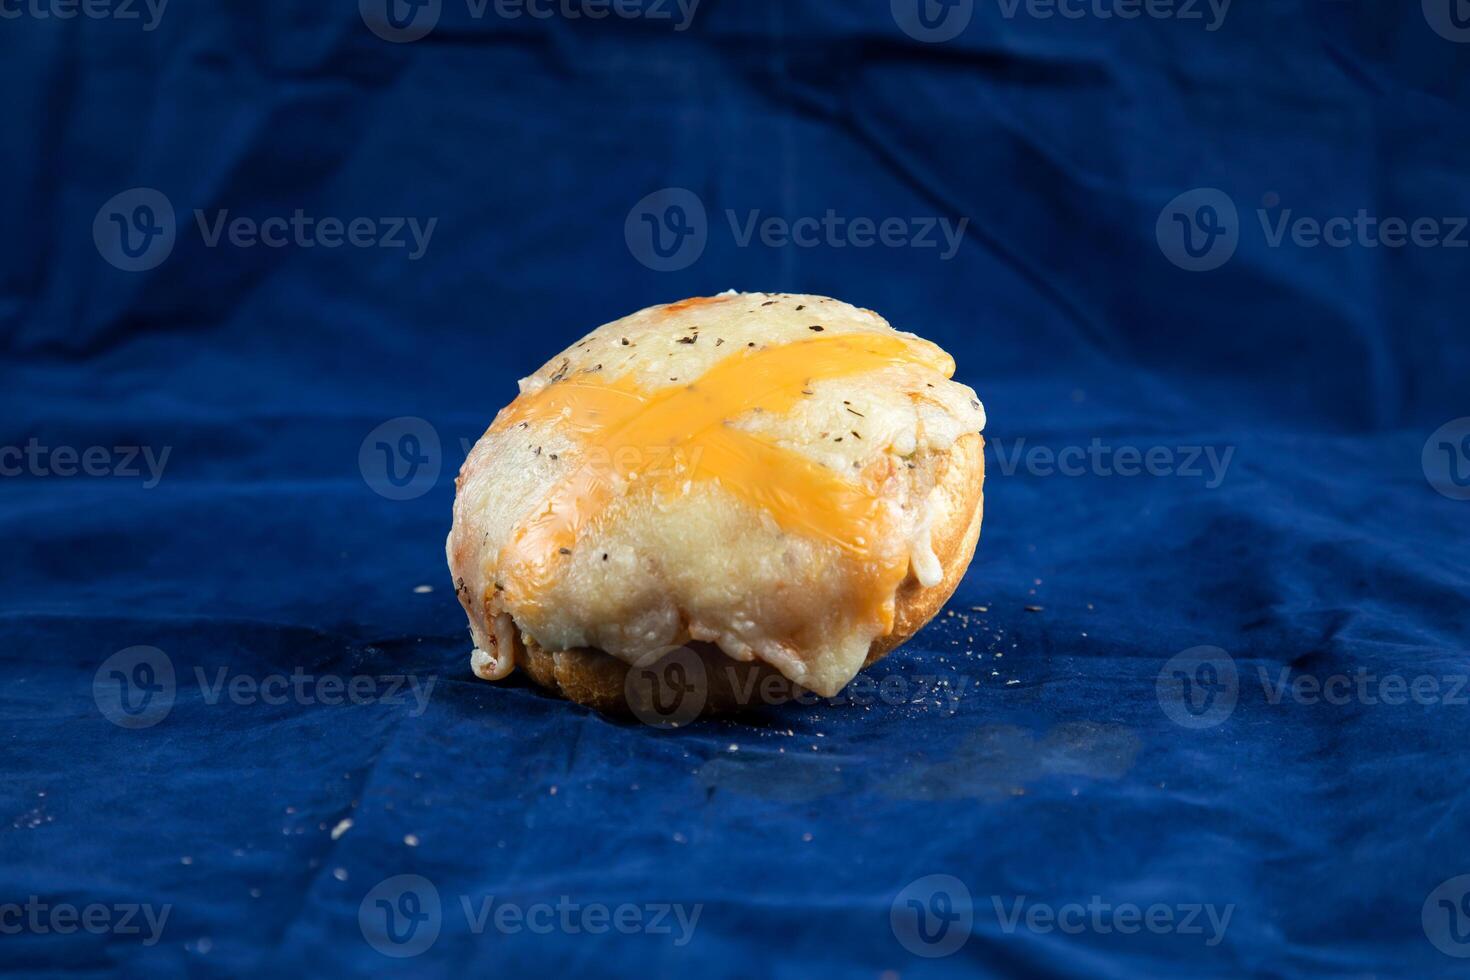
773,490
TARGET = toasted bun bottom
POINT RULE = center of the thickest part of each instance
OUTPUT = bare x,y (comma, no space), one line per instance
698,680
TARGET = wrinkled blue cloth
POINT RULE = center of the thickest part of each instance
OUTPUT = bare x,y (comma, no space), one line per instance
1195,710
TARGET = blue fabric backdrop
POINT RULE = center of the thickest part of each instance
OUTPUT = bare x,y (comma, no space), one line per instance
206,547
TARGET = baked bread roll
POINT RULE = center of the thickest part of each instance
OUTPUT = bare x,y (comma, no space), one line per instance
740,498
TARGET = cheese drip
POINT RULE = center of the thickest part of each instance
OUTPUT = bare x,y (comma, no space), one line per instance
664,439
